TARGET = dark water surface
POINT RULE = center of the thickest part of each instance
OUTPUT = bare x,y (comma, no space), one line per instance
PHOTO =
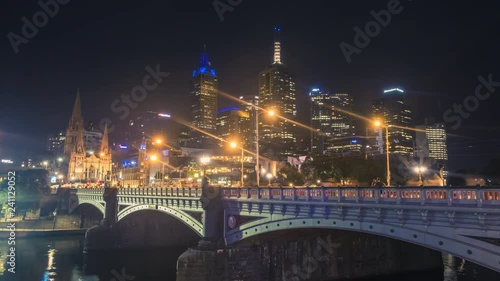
61,259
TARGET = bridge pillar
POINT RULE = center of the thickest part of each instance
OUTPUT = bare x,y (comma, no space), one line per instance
212,216
102,237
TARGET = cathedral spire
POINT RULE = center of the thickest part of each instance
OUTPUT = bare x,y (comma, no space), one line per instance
105,142
77,109
277,46
74,133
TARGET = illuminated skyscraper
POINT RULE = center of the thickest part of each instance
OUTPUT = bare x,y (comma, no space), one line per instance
277,92
333,126
234,124
431,142
396,114
205,87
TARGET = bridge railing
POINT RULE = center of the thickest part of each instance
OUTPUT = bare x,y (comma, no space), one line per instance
467,196
160,192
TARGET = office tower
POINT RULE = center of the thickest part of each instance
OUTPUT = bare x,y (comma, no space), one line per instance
332,125
55,144
432,143
205,87
250,103
277,92
393,112
234,124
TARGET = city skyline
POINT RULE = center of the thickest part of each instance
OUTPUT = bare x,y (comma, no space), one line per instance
97,96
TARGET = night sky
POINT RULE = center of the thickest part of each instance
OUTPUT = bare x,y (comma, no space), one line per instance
435,51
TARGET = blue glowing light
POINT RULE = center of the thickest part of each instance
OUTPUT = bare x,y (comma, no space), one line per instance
228,109
213,72
143,147
354,141
122,146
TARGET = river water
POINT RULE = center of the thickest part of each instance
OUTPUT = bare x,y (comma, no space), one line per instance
61,259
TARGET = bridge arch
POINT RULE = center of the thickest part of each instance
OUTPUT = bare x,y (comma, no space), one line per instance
185,218
96,204
441,239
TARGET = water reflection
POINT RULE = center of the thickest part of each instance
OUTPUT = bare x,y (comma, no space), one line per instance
50,273
61,259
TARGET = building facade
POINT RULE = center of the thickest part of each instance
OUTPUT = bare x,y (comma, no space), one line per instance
392,111
204,94
234,124
55,144
431,143
332,126
82,164
277,92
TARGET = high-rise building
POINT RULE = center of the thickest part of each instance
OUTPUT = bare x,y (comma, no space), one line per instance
431,142
277,92
332,125
205,88
249,104
55,144
233,123
392,110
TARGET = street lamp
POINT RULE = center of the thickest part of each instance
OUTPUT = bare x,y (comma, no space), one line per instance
235,145
379,124
257,165
204,161
269,177
419,170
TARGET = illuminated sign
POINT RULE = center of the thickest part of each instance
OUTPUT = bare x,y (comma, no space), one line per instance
7,161
393,90
122,146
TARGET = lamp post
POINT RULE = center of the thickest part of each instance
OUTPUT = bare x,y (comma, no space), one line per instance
379,124
419,170
257,165
269,177
234,145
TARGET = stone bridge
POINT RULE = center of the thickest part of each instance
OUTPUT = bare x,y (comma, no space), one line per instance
464,222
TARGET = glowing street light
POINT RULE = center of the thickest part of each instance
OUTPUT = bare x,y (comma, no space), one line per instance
269,177
419,170
154,157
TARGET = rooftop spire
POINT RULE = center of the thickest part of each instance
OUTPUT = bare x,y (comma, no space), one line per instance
277,46
77,109
204,57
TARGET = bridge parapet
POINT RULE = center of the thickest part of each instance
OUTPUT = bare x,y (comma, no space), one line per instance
473,197
161,192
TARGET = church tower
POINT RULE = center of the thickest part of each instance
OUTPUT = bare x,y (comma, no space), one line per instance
74,133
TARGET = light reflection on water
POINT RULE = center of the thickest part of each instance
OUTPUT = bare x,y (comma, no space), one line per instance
61,259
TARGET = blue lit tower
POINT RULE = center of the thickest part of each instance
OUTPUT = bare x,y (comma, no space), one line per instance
277,92
205,87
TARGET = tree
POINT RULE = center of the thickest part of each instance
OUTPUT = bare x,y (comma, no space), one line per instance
291,174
